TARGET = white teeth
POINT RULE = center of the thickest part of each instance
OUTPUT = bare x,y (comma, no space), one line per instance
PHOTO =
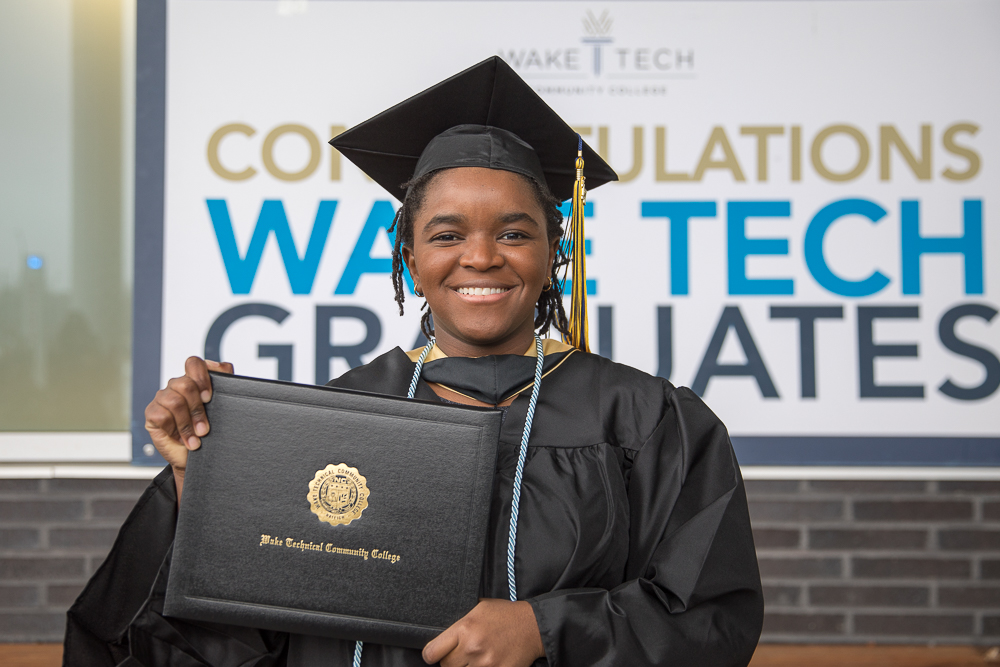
480,291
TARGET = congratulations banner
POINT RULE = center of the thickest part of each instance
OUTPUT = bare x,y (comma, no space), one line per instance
801,233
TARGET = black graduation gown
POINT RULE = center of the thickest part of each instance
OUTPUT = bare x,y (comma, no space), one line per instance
633,546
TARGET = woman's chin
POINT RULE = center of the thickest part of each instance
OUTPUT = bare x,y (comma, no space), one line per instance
488,338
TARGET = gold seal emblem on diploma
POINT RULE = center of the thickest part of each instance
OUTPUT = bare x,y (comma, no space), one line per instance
338,494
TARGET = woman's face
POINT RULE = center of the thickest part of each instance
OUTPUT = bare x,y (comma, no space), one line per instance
481,256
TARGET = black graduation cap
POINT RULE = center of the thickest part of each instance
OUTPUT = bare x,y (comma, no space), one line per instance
486,116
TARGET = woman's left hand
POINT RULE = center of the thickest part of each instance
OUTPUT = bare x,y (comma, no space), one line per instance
496,633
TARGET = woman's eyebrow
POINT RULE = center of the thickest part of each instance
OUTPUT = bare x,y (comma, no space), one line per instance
517,216
444,219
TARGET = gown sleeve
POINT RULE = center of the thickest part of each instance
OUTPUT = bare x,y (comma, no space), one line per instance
118,618
97,623
692,593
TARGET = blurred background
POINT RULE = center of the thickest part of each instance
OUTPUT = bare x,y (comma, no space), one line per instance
876,517
66,119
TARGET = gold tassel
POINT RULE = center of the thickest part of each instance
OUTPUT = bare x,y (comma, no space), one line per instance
578,299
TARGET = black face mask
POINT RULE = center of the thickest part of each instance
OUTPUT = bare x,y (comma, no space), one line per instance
491,379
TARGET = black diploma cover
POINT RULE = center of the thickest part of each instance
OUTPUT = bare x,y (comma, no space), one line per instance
331,512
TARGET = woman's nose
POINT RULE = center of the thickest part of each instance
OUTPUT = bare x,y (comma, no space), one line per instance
482,254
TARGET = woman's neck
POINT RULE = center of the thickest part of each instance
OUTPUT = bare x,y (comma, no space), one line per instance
455,347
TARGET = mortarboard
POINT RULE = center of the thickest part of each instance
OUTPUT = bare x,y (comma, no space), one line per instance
440,125
486,116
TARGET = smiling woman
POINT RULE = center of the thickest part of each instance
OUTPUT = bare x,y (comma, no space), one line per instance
618,530
482,249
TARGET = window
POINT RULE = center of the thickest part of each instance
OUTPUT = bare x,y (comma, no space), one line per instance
66,116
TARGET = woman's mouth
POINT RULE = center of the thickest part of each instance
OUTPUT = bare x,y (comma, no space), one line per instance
483,295
481,291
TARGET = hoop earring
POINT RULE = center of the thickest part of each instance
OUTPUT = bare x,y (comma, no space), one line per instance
418,292
548,285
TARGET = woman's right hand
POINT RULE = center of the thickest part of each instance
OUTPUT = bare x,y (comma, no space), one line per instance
176,418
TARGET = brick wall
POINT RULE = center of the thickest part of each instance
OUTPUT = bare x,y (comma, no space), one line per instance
899,561
53,534
883,561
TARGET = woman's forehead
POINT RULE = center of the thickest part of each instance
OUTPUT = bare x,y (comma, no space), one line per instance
481,176
472,191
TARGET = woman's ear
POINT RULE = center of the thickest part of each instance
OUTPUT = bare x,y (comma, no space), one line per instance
411,263
553,253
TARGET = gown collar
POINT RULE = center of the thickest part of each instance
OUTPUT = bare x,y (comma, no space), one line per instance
492,379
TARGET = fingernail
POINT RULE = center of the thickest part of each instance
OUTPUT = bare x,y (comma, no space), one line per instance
206,396
201,428
193,443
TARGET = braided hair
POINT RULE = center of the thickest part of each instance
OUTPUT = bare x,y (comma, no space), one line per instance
549,311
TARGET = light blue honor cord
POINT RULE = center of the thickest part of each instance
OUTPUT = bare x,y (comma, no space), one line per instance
521,457
518,472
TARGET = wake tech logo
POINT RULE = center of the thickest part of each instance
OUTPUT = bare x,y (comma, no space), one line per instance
598,57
